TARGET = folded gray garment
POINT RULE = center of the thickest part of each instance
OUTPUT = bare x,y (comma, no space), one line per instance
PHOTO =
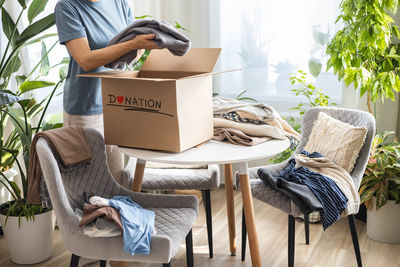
166,36
237,137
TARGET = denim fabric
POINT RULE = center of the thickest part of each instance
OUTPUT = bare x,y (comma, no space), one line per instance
137,223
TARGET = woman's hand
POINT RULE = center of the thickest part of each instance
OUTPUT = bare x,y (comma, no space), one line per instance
144,41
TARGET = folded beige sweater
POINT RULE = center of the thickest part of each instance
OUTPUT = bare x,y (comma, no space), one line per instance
274,126
339,175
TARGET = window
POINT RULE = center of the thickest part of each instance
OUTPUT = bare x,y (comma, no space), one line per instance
270,40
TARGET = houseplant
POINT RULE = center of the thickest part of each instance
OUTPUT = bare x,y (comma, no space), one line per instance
380,189
364,53
29,237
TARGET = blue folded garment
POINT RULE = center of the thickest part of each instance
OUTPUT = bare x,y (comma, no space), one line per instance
137,223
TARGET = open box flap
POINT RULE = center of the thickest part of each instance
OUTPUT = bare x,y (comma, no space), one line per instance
200,60
121,74
207,74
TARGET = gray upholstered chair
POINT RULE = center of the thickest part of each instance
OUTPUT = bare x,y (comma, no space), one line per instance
175,215
169,179
276,199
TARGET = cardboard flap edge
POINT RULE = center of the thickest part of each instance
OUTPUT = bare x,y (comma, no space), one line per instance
208,73
196,60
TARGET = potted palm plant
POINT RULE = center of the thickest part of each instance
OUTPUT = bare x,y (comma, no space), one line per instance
28,229
380,189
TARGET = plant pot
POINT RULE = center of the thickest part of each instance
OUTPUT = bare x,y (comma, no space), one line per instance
32,242
383,224
5,196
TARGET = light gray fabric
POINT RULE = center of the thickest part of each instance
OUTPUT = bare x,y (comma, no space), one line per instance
166,36
354,117
174,179
181,179
174,214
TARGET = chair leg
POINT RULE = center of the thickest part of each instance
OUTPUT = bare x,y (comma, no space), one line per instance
291,241
307,228
167,264
354,237
74,261
189,249
103,263
207,208
244,236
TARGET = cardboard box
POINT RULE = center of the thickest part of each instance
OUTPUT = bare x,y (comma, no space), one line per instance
166,106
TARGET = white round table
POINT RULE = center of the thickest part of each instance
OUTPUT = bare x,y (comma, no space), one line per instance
214,152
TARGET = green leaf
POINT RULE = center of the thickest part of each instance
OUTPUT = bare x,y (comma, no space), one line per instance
7,98
23,3
143,17
13,66
52,121
32,85
178,26
9,27
62,73
36,7
315,66
20,79
36,28
65,60
2,2
45,64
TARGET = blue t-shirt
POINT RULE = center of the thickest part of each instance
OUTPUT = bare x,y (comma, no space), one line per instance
99,22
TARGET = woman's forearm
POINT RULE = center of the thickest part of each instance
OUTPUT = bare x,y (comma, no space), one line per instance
100,57
90,59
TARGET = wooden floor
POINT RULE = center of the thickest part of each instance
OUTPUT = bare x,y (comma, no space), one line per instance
330,248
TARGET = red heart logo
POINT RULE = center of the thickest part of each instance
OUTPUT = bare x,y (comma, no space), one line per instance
120,99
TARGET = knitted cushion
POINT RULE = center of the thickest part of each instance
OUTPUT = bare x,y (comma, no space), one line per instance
336,140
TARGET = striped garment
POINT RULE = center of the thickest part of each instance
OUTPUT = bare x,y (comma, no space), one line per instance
325,189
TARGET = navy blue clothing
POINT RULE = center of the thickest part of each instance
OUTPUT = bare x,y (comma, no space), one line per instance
300,194
325,189
99,22
137,223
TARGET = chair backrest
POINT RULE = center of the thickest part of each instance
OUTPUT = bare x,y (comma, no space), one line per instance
350,116
66,186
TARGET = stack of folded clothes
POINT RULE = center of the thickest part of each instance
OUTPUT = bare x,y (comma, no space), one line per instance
248,123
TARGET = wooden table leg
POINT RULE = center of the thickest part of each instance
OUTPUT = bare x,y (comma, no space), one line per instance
249,214
138,178
230,208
